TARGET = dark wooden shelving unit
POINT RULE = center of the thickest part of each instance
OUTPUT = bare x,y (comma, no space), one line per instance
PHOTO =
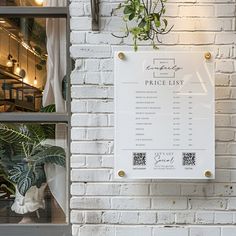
16,95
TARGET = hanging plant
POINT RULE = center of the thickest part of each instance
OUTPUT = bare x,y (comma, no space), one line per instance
144,20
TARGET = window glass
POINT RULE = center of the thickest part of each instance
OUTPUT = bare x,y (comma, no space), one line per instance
38,3
32,64
33,173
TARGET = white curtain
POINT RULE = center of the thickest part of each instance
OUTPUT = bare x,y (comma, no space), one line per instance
56,71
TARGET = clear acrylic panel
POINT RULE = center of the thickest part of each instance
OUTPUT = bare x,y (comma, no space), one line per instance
33,64
33,159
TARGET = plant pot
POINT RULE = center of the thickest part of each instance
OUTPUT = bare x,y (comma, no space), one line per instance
32,201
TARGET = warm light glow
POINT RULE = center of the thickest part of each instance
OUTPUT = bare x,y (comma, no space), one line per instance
25,80
39,2
2,21
35,81
9,63
18,69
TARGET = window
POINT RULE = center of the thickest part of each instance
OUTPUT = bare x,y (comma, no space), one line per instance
34,117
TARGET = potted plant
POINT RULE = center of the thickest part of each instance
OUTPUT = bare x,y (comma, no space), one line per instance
24,151
146,18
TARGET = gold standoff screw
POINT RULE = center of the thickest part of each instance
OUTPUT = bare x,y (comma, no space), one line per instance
208,173
121,173
121,55
208,55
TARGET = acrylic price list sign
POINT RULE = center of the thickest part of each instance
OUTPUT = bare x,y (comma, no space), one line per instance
164,115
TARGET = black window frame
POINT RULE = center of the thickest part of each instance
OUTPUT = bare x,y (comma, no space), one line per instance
48,229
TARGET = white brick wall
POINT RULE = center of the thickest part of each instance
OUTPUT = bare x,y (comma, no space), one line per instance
102,206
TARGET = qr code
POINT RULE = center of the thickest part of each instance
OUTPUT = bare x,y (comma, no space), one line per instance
139,158
189,158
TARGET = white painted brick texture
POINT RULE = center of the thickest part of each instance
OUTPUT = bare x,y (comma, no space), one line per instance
102,206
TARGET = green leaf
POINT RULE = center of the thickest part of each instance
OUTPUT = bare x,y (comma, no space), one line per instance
13,133
165,22
40,176
128,10
36,133
49,108
25,182
52,155
142,23
17,171
131,16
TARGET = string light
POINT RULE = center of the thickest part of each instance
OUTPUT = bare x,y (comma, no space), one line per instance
18,69
9,61
35,78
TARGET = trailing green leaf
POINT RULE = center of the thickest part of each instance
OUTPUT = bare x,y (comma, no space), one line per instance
147,23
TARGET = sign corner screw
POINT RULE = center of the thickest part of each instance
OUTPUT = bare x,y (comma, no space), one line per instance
208,55
121,55
208,173
121,173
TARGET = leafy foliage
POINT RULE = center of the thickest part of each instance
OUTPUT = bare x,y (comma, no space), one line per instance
147,20
23,154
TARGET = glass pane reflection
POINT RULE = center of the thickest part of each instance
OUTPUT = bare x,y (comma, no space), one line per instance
32,163
28,81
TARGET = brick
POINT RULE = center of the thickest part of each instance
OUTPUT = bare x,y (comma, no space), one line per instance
93,217
196,38
98,230
92,65
169,203
185,217
204,218
77,161
91,92
225,66
147,217
78,106
228,231
197,189
133,189
90,120
222,93
137,231
223,218
165,189
129,218
89,203
222,120
102,189
77,216
111,217
80,23
77,188
225,134
130,203
106,106
196,11
102,38
90,51
170,231
90,175
225,10
77,37
204,231
222,79
98,147
77,9
208,204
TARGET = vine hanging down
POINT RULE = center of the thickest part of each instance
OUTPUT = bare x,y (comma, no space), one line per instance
146,20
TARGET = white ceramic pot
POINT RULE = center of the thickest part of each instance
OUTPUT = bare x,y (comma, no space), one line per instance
32,201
